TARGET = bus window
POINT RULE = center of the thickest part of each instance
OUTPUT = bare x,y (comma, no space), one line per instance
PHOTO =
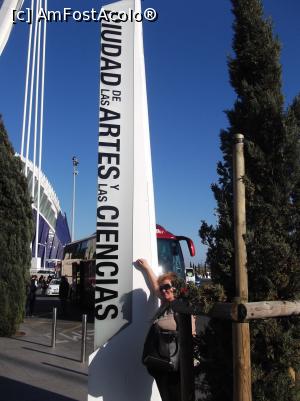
170,256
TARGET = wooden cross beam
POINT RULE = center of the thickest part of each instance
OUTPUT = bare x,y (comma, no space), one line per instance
241,312
266,309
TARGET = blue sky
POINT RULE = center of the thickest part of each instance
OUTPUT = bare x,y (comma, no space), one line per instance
187,80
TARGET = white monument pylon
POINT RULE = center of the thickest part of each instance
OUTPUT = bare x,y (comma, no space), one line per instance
125,216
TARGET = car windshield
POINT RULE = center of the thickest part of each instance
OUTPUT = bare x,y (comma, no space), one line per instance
55,282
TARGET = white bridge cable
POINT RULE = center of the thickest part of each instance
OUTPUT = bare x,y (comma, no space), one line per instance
41,132
33,65
35,81
36,112
36,107
26,85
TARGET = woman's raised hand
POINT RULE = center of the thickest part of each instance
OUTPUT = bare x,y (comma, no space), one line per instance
143,263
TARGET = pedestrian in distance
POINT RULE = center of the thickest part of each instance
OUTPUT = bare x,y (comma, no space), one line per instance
64,288
44,286
31,296
168,382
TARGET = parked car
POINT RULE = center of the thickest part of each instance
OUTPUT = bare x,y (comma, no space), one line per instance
53,287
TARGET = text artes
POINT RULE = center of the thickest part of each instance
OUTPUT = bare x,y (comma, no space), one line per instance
107,238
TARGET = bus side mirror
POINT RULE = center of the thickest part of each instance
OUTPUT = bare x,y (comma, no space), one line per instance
191,247
190,244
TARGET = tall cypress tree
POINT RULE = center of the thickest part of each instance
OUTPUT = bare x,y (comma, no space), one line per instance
16,233
272,216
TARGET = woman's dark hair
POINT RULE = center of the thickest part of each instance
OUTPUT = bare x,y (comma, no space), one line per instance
172,276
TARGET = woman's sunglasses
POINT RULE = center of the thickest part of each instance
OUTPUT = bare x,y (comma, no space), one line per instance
165,287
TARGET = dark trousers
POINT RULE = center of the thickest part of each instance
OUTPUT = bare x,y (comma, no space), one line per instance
168,384
30,303
64,306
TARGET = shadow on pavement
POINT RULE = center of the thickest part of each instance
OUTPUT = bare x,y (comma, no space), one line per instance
30,342
65,369
52,354
13,390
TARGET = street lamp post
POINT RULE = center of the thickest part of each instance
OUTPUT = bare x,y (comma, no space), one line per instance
75,173
44,258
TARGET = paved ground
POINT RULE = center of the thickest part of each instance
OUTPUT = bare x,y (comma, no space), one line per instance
31,370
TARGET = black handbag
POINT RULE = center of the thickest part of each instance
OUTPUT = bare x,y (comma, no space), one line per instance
161,348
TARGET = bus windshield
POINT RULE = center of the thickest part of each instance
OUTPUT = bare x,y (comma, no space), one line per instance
170,256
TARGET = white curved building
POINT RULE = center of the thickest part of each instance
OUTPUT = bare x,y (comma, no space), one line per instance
52,226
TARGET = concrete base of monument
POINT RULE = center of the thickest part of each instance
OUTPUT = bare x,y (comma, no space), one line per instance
115,370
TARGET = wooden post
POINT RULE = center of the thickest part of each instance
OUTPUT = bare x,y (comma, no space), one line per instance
241,279
240,331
